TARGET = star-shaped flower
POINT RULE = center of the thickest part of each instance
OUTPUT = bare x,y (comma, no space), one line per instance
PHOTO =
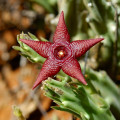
61,54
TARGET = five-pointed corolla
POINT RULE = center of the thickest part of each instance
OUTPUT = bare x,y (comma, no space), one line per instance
61,54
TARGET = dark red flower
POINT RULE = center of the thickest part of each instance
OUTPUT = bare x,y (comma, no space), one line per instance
61,54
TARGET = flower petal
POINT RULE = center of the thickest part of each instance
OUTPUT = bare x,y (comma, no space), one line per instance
41,47
81,46
72,68
49,68
61,33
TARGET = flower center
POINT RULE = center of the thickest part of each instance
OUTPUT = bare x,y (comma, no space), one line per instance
60,52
